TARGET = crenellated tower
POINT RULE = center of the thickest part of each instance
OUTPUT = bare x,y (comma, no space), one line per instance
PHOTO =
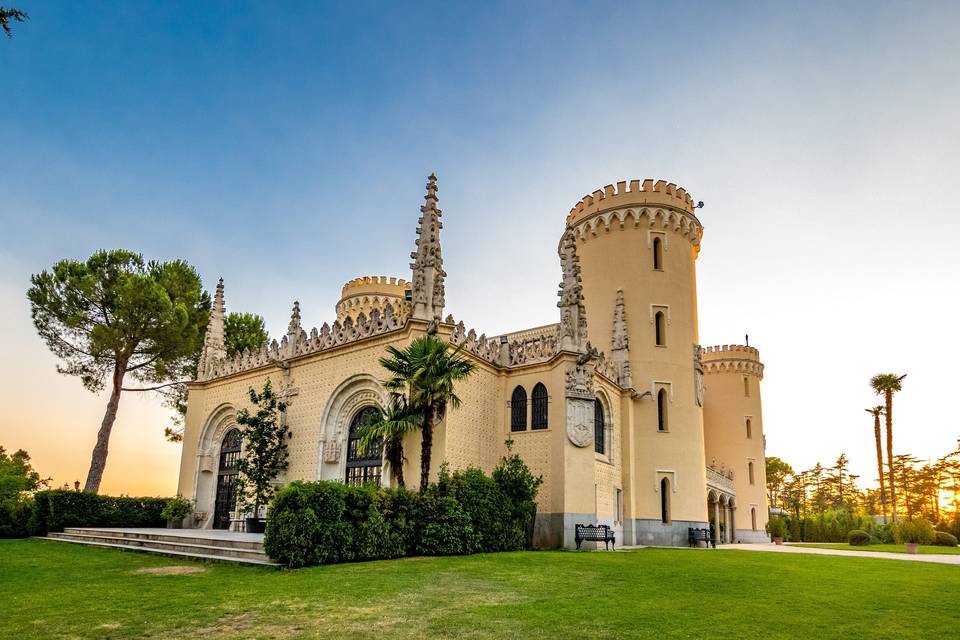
427,289
363,295
733,432
636,245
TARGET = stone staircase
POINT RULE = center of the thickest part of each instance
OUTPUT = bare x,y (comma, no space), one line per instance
199,544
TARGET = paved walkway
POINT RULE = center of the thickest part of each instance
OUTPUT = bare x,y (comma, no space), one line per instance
787,548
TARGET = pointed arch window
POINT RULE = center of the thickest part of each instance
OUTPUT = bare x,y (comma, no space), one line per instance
662,402
658,254
518,409
599,428
539,409
660,327
665,500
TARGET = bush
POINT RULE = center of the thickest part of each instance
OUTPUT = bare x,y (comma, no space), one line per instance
858,537
55,510
913,531
944,539
777,528
15,515
176,509
465,512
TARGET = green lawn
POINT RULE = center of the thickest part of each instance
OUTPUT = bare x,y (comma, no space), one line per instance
891,548
53,590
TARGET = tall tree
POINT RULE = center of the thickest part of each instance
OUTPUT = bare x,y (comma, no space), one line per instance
886,384
426,370
115,315
875,412
777,473
244,331
387,428
8,15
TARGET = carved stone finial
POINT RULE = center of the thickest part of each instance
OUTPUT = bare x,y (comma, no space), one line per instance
573,315
214,341
427,288
698,374
620,342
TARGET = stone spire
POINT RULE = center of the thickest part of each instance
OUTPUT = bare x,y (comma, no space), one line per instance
573,316
428,274
214,341
294,332
620,342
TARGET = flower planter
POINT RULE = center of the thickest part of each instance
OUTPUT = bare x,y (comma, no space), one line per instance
912,547
256,525
778,541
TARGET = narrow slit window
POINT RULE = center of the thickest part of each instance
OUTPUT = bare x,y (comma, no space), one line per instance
753,518
665,500
750,471
662,410
660,326
518,409
658,254
746,386
749,428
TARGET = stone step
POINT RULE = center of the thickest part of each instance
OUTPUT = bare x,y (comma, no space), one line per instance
209,551
158,535
208,548
176,554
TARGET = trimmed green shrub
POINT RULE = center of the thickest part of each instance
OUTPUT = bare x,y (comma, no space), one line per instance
55,510
858,537
944,539
915,531
15,515
777,528
176,509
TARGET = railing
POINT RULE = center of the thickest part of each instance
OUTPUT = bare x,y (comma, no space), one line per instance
721,479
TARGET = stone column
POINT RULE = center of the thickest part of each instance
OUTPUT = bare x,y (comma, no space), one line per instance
716,521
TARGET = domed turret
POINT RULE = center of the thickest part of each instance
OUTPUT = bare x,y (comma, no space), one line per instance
373,292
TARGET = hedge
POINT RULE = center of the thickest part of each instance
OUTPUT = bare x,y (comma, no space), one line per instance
54,510
466,512
15,515
944,539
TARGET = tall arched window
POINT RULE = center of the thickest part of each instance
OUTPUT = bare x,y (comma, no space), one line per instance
599,429
660,326
657,254
753,518
750,471
539,409
662,410
746,386
518,409
226,498
365,467
665,500
749,428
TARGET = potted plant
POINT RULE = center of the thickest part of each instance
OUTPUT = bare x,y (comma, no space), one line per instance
778,530
175,510
909,533
264,454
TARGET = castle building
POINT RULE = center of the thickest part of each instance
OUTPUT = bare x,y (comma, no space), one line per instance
628,419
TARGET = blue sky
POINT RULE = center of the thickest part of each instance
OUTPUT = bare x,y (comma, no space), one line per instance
284,147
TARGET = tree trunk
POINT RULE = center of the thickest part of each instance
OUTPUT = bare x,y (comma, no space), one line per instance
883,488
893,489
426,445
98,460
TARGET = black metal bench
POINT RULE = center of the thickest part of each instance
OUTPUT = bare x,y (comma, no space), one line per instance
696,535
595,533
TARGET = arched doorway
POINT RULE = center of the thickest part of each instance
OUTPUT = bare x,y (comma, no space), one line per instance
226,500
367,467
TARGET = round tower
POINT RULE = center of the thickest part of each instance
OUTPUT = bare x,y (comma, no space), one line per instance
733,434
363,295
642,239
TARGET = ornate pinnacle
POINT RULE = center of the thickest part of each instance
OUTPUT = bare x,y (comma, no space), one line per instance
427,285
293,329
214,342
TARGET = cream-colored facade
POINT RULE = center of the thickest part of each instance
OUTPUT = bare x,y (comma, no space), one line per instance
629,421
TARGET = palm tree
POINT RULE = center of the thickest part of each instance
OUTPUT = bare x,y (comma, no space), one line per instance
886,384
427,370
876,411
388,426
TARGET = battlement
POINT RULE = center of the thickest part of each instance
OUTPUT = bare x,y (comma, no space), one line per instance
734,358
387,285
632,193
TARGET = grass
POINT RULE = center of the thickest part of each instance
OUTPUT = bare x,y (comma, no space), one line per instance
890,548
57,590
